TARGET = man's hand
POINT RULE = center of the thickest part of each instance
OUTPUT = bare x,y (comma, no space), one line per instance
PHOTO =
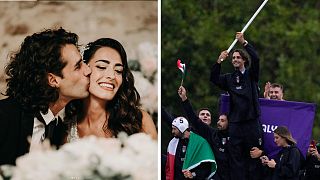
182,93
240,37
255,152
266,90
314,152
187,174
223,56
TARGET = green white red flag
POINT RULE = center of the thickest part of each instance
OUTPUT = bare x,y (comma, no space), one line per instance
182,67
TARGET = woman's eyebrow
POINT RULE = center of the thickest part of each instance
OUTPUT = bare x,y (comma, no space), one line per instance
103,60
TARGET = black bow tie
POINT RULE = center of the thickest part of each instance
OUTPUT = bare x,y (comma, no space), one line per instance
58,132
49,129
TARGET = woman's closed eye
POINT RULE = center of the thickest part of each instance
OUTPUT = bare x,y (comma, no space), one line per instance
118,70
101,67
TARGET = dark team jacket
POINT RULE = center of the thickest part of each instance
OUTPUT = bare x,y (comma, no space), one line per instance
288,164
244,93
312,166
217,139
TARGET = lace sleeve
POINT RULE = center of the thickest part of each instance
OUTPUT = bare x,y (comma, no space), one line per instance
73,132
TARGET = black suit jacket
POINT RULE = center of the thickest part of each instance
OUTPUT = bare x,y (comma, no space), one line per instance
16,125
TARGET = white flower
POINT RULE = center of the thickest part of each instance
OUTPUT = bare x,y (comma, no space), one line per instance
148,92
92,158
147,53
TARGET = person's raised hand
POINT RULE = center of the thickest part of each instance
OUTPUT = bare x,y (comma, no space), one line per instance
182,93
240,37
266,90
223,56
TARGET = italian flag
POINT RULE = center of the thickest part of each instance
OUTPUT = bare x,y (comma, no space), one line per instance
172,147
198,151
181,66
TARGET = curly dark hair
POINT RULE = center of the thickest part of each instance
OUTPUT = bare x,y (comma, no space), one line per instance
27,71
244,56
124,112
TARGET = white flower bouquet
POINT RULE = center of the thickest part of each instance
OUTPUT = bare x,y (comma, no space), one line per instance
126,157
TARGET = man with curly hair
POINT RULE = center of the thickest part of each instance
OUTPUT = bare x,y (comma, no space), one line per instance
43,77
245,130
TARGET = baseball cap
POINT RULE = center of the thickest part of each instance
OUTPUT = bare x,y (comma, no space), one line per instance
181,123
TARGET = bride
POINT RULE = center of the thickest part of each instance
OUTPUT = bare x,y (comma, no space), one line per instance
114,103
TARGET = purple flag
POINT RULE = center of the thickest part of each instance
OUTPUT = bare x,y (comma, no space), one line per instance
297,116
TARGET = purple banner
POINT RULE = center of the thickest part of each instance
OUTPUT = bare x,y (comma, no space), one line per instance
297,116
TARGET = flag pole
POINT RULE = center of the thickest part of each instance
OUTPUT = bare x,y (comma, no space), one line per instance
181,82
247,25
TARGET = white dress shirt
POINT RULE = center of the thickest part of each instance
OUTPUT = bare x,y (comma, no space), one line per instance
39,128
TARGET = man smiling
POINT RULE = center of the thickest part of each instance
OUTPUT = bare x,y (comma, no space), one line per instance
244,127
273,91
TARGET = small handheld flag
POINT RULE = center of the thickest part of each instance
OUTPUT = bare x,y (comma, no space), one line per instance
182,68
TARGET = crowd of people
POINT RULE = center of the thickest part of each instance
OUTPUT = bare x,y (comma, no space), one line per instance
237,141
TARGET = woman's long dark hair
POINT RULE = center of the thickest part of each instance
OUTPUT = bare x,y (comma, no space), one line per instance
28,70
123,110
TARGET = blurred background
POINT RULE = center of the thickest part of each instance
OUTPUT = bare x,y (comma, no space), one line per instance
286,35
133,23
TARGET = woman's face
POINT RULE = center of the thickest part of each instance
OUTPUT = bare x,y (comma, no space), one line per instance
280,141
106,76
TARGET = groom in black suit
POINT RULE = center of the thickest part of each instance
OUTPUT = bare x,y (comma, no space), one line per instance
43,76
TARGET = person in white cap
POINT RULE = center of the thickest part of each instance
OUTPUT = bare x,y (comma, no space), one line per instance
189,155
218,138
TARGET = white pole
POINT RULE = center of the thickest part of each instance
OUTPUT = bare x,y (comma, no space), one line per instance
247,25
